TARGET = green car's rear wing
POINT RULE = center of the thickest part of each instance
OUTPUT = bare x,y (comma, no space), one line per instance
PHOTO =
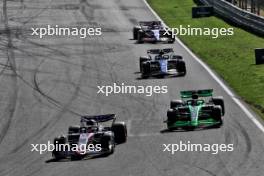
199,93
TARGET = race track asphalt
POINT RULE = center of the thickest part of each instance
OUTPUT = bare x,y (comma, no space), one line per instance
47,83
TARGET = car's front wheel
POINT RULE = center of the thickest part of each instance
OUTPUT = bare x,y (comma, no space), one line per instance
217,115
181,67
135,32
219,101
58,142
145,70
141,61
140,37
108,144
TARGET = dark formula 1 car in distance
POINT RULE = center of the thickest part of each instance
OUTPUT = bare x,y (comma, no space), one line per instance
193,111
161,62
90,138
152,31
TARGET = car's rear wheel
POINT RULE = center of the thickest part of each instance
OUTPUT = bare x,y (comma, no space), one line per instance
73,138
171,116
175,103
120,132
74,129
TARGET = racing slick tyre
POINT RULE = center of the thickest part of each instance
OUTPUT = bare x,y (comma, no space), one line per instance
120,132
108,144
217,115
73,138
59,154
140,37
73,129
219,101
171,118
171,41
145,70
181,67
170,37
175,103
135,32
171,115
141,60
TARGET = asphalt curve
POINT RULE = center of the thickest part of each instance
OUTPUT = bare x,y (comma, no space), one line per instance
47,83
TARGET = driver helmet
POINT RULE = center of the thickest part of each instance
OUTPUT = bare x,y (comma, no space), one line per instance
161,53
194,99
90,124
83,130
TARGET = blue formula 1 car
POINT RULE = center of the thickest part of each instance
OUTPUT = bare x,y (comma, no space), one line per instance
161,62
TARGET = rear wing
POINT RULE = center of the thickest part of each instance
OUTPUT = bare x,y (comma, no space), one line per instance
157,51
150,23
98,118
199,93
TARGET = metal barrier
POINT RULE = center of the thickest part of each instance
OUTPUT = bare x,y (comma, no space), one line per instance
237,15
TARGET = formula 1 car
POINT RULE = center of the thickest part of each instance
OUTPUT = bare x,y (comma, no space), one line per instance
161,62
90,139
152,31
194,111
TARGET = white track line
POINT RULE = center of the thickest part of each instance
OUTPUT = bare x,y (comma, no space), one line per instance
219,81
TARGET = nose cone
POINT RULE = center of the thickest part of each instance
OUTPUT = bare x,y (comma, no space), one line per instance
163,65
156,34
194,114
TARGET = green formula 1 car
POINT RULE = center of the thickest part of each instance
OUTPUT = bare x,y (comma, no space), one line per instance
197,108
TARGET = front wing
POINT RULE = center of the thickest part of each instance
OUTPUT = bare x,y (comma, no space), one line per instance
171,72
89,154
199,124
154,39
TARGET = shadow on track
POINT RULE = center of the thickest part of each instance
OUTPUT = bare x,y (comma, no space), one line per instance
72,160
159,77
188,130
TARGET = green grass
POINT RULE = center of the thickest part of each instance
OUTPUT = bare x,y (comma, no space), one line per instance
232,57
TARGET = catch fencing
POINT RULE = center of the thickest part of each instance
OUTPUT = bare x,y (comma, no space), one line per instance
236,15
